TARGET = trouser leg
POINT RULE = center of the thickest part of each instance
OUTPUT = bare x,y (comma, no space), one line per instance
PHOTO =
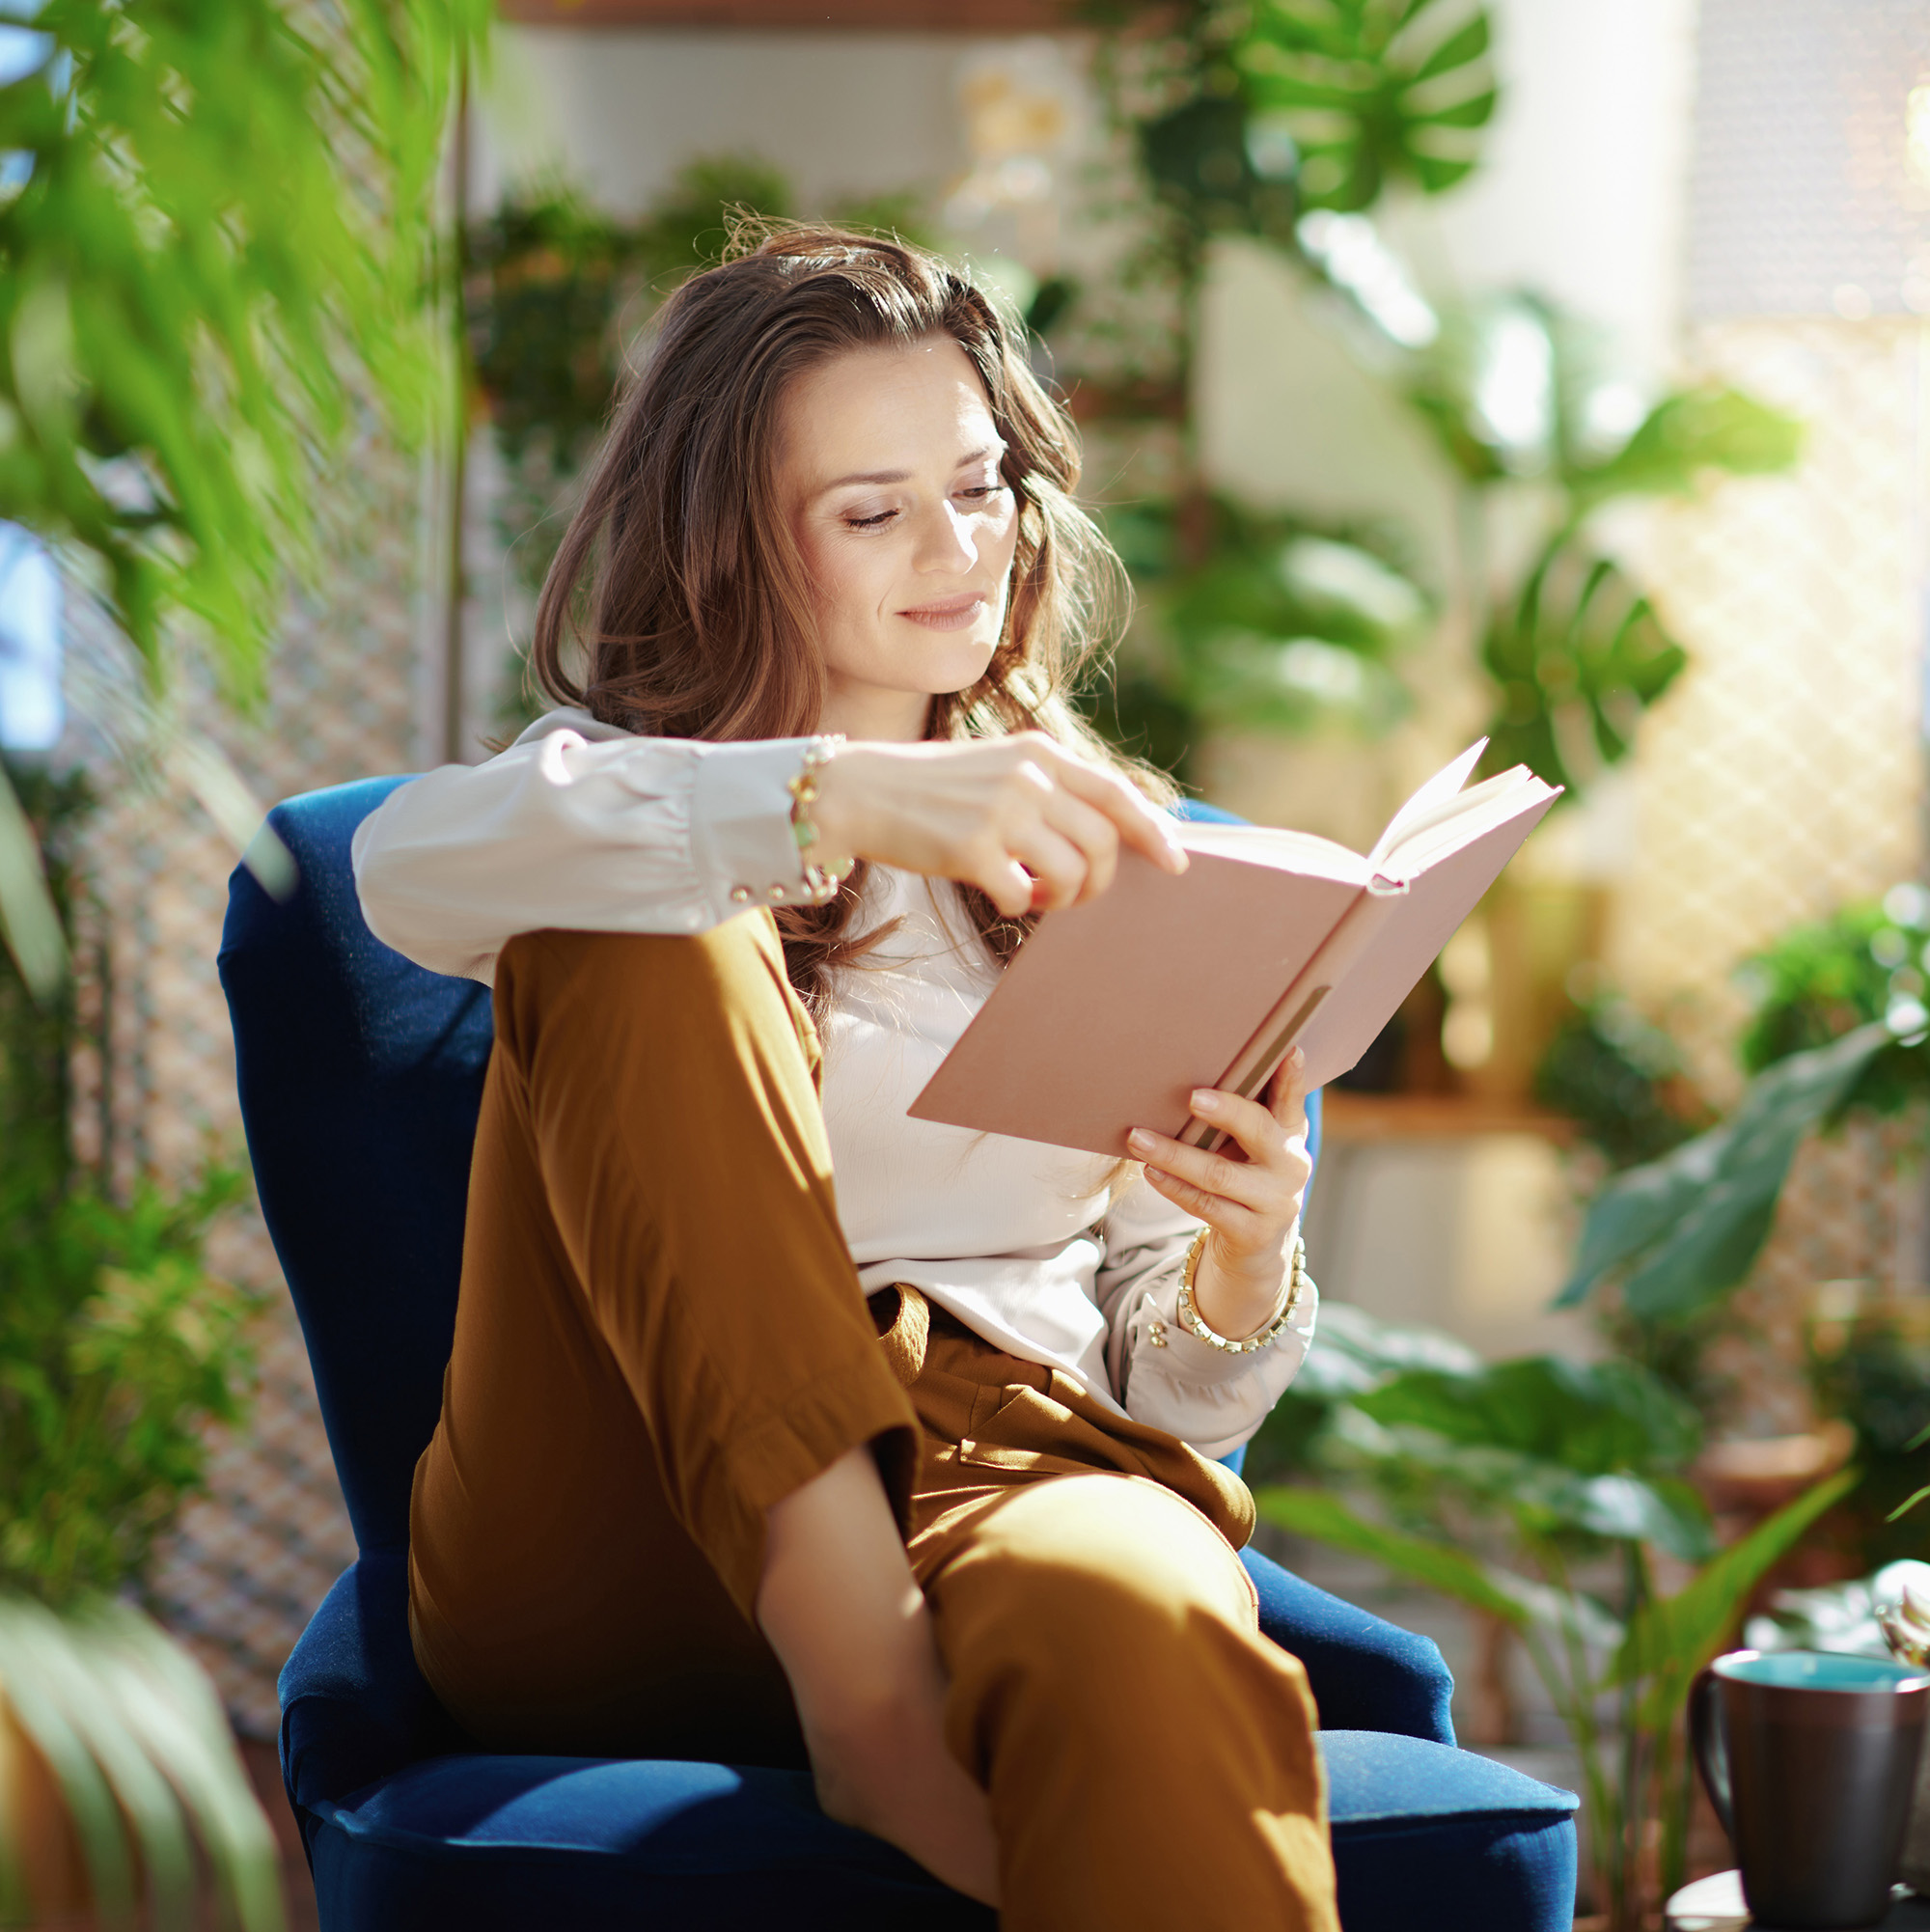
1150,1755
676,1120
660,1334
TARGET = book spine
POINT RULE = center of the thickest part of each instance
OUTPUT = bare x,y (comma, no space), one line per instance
1257,1063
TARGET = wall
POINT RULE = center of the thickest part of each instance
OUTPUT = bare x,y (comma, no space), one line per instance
618,112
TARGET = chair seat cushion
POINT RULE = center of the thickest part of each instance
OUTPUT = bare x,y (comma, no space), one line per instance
1423,1835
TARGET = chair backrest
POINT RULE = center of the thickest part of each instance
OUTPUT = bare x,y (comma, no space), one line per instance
361,1077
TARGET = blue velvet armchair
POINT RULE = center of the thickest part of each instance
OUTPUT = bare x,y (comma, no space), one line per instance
360,1079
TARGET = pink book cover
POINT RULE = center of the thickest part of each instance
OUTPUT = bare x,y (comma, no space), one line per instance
1114,1013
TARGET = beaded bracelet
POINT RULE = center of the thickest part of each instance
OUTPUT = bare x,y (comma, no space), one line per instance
820,883
1273,1330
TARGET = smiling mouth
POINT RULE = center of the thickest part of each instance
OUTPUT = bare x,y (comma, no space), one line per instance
958,613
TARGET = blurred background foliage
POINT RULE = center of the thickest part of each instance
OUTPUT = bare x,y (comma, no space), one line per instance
220,257
1539,1492
217,250
117,1344
1286,126
119,1348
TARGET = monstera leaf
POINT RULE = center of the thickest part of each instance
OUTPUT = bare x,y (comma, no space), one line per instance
1687,434
1577,657
1372,90
1514,385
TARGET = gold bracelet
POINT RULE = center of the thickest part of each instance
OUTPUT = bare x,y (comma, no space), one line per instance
821,883
1298,1277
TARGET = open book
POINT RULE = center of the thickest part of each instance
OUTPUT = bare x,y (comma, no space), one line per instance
1113,1013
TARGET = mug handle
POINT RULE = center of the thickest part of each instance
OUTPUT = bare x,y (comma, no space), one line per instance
1711,1746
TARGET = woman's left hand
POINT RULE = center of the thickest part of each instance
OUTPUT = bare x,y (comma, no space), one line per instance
1249,1198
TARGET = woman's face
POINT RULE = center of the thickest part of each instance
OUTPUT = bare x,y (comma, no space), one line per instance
889,461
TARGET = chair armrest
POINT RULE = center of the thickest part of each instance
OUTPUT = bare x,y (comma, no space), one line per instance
1365,1674
354,1706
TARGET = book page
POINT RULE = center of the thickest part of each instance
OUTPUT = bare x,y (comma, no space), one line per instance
1458,821
1440,789
1299,852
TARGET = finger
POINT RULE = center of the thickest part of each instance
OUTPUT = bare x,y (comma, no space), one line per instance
1095,836
1004,881
1259,1135
1235,1224
1142,828
1056,864
1287,1093
1243,1183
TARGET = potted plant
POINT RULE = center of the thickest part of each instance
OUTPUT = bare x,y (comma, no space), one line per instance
1550,1496
118,1774
1840,1032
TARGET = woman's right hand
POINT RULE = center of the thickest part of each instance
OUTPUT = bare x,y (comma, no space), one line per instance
1033,824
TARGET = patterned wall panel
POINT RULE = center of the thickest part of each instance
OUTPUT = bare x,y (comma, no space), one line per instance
250,1561
1784,775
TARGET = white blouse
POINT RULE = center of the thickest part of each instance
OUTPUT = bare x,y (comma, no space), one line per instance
580,825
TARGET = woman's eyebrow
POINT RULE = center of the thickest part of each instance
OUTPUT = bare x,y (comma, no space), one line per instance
989,452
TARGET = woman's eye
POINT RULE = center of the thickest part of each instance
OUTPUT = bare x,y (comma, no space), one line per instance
877,522
979,491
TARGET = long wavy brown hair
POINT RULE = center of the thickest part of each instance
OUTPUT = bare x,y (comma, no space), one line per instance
679,605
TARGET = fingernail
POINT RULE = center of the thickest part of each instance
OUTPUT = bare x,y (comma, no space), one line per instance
1205,1100
1140,1141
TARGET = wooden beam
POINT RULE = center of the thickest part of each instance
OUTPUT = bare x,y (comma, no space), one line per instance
950,17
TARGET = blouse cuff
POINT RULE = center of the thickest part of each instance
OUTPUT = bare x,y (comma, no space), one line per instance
745,850
1188,1358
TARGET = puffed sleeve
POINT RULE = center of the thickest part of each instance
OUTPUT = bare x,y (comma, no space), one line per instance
1160,1371
582,826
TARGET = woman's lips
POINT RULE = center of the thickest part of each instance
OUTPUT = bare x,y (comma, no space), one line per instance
947,613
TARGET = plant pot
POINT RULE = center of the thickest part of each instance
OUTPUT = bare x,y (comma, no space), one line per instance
34,1817
1756,1478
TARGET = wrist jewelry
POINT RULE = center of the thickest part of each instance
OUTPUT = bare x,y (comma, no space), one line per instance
1297,1278
820,883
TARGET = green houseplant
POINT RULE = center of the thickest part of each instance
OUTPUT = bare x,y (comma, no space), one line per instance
1287,125
1538,1492
1839,1030
216,256
117,1349
215,251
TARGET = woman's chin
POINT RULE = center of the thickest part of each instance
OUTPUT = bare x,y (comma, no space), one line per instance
943,674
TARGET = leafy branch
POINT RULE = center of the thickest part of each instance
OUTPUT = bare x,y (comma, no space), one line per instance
220,253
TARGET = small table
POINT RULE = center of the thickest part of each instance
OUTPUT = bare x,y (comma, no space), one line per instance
1715,1904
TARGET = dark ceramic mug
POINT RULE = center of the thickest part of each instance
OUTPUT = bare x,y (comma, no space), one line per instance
1811,1761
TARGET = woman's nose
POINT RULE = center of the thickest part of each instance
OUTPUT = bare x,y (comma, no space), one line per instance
946,541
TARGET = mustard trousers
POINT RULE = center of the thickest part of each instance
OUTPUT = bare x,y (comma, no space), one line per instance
660,1334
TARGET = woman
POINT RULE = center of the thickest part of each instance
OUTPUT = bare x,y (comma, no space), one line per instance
692,1493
